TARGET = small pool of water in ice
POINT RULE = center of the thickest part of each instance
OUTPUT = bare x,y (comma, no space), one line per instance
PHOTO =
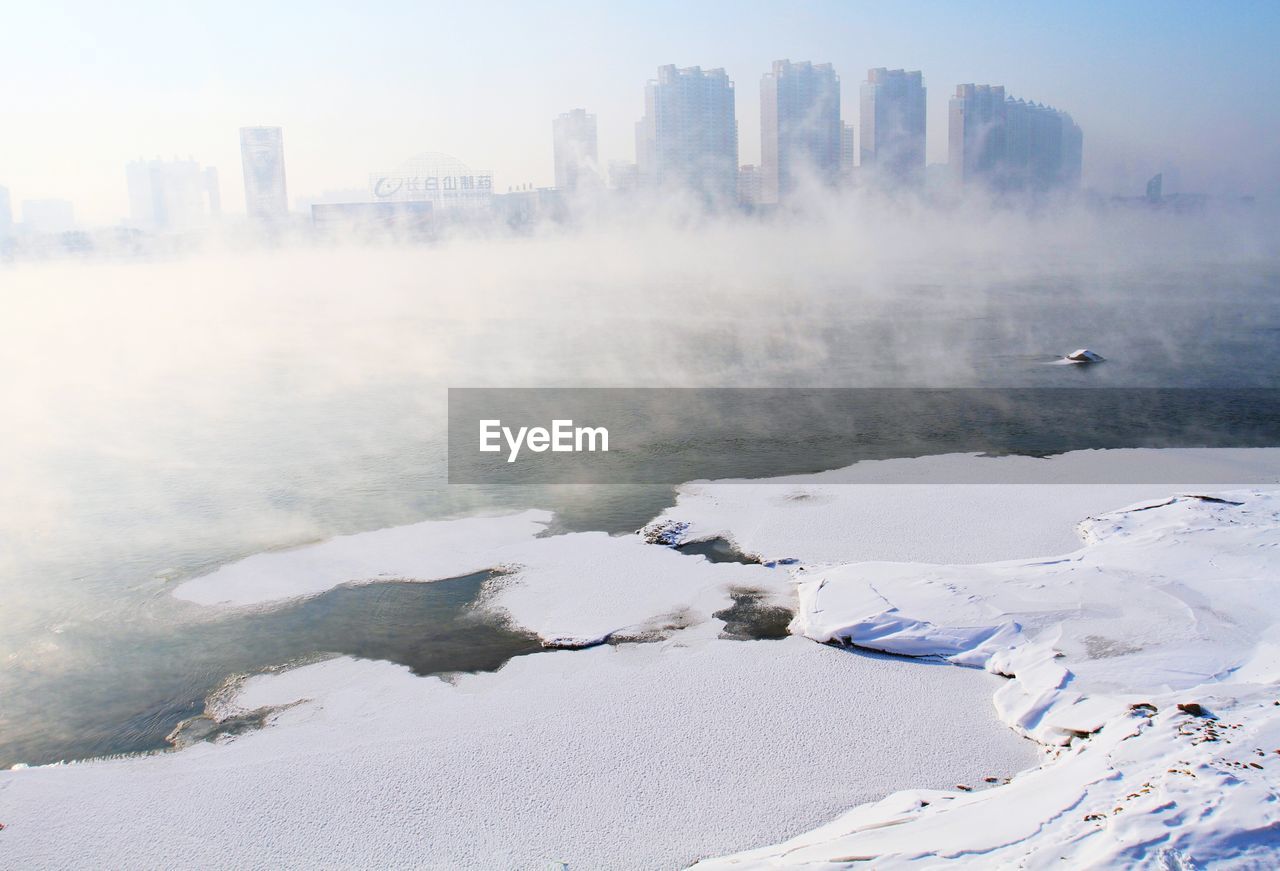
162,678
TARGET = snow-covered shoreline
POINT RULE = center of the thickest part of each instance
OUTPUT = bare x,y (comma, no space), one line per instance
1150,654
1169,601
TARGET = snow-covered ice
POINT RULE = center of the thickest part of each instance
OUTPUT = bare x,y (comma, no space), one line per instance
1088,614
637,756
584,587
907,510
1151,652
427,551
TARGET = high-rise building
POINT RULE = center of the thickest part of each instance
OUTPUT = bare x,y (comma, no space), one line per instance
1072,152
1010,144
800,128
1155,188
893,125
48,216
976,131
170,194
749,186
6,213
262,155
576,156
848,152
688,137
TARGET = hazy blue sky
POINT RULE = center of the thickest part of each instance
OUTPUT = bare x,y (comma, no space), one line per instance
359,87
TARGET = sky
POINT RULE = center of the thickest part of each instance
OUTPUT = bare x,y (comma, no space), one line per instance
1190,89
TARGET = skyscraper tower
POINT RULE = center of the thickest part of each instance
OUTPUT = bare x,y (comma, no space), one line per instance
893,125
688,137
848,152
1009,144
800,130
262,155
976,131
576,155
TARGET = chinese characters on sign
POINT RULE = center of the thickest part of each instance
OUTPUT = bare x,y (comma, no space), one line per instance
440,179
385,187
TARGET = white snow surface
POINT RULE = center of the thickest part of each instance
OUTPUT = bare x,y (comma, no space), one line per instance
1100,620
630,757
431,550
1170,601
584,587
956,508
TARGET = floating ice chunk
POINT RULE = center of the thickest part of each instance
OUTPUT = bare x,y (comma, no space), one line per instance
1084,355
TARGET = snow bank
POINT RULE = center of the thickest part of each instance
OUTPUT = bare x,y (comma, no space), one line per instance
1168,791
1165,595
1157,639
640,756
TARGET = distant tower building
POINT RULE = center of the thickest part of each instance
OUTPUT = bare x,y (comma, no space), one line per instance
799,127
262,155
688,137
1072,152
6,213
1155,188
848,152
749,186
576,157
893,124
1053,146
167,194
976,131
1009,144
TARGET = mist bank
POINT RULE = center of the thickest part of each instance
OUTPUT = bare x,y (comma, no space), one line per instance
542,213
169,414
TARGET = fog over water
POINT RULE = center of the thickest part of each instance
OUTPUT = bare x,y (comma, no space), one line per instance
166,416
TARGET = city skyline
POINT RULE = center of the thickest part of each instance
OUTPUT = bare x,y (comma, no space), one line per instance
346,113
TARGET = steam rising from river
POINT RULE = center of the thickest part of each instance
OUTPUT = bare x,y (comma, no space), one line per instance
166,415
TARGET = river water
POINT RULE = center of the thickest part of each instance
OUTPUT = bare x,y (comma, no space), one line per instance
167,417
